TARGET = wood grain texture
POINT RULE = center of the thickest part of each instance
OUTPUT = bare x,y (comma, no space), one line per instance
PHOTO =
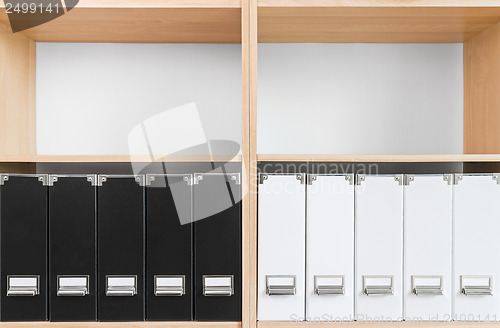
378,158
378,325
482,93
373,24
253,185
113,158
247,274
379,3
174,24
17,94
148,324
159,4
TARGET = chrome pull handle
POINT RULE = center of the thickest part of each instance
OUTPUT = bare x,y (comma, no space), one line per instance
280,290
169,291
169,285
120,291
217,291
329,290
476,285
477,291
428,290
378,285
218,285
121,285
21,292
71,292
280,285
427,285
379,290
21,285
73,285
329,285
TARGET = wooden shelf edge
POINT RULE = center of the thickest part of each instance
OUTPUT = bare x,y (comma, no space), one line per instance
154,4
146,4
149,324
380,3
378,158
115,158
145,21
386,324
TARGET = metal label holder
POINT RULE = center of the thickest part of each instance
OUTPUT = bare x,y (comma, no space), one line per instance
378,290
329,289
476,290
426,289
24,288
281,289
121,289
219,289
72,289
169,289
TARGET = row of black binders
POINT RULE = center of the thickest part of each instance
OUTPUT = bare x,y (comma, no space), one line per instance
120,248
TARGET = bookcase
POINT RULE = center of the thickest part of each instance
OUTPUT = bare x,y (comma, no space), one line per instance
473,23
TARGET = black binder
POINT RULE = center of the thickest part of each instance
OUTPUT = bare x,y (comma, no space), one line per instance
217,233
72,248
169,247
120,234
23,216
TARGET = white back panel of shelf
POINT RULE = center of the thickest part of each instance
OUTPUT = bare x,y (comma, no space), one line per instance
90,97
360,99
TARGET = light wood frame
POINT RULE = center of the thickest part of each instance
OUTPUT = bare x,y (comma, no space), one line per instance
307,21
474,22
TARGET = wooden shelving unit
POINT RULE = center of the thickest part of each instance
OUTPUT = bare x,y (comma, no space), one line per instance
113,21
476,23
118,21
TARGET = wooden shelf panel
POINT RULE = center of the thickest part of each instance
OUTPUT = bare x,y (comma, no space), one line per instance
423,324
482,100
379,158
159,4
378,3
150,21
323,21
113,158
148,324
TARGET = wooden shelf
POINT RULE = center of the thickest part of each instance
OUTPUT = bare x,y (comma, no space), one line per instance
149,324
113,159
423,324
147,21
379,158
159,4
374,21
378,3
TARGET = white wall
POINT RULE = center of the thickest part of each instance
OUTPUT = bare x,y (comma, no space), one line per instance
89,97
360,99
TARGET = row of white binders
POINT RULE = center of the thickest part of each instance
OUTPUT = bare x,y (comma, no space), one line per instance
379,247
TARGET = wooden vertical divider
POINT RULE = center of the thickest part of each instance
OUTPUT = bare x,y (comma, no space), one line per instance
249,160
482,93
17,94
245,161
